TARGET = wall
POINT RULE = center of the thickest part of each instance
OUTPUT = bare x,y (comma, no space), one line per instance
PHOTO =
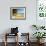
24,25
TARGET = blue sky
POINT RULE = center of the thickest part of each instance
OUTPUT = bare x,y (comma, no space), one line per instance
21,10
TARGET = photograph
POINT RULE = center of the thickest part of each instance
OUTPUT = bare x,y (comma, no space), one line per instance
18,13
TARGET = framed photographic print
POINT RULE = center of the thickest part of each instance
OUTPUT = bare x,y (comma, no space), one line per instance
18,13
